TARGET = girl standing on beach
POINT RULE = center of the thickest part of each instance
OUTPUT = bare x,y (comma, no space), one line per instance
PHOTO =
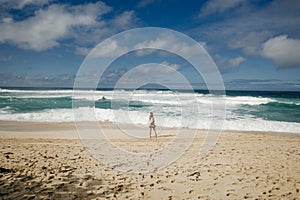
151,124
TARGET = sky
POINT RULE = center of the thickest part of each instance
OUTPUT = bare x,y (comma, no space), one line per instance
254,44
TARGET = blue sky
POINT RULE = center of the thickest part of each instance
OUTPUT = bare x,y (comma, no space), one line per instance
255,44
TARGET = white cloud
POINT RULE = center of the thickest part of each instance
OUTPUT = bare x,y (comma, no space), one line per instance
20,4
234,62
283,51
172,44
249,26
249,42
174,66
124,20
219,6
7,20
163,73
91,9
84,51
144,52
102,29
159,43
50,26
109,48
155,69
227,64
159,69
165,41
44,29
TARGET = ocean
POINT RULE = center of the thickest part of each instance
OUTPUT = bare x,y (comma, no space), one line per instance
244,110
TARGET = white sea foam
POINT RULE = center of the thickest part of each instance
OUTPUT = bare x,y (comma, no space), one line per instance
232,101
172,109
248,100
37,96
140,118
35,91
5,110
159,97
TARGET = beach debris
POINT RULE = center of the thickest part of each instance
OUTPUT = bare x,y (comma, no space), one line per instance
195,173
4,170
6,155
49,177
65,169
84,184
75,157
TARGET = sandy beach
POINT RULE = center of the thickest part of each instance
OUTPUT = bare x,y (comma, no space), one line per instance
48,161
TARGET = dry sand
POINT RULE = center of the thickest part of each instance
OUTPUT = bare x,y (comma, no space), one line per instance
48,161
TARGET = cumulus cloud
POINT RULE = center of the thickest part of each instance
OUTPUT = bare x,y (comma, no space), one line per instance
113,47
174,66
282,50
162,68
153,69
150,72
43,30
109,48
124,20
163,73
20,4
248,26
172,44
227,64
103,28
219,6
234,62
84,51
249,42
7,20
49,26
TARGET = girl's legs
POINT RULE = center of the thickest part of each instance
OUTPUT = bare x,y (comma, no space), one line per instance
155,131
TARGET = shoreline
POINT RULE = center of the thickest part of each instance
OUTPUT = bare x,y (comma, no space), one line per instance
31,127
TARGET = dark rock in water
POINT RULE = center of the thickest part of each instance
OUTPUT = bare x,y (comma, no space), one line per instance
102,99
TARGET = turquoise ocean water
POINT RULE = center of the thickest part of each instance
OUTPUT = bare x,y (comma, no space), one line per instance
245,110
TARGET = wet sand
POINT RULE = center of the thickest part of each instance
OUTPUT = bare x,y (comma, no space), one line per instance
48,161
